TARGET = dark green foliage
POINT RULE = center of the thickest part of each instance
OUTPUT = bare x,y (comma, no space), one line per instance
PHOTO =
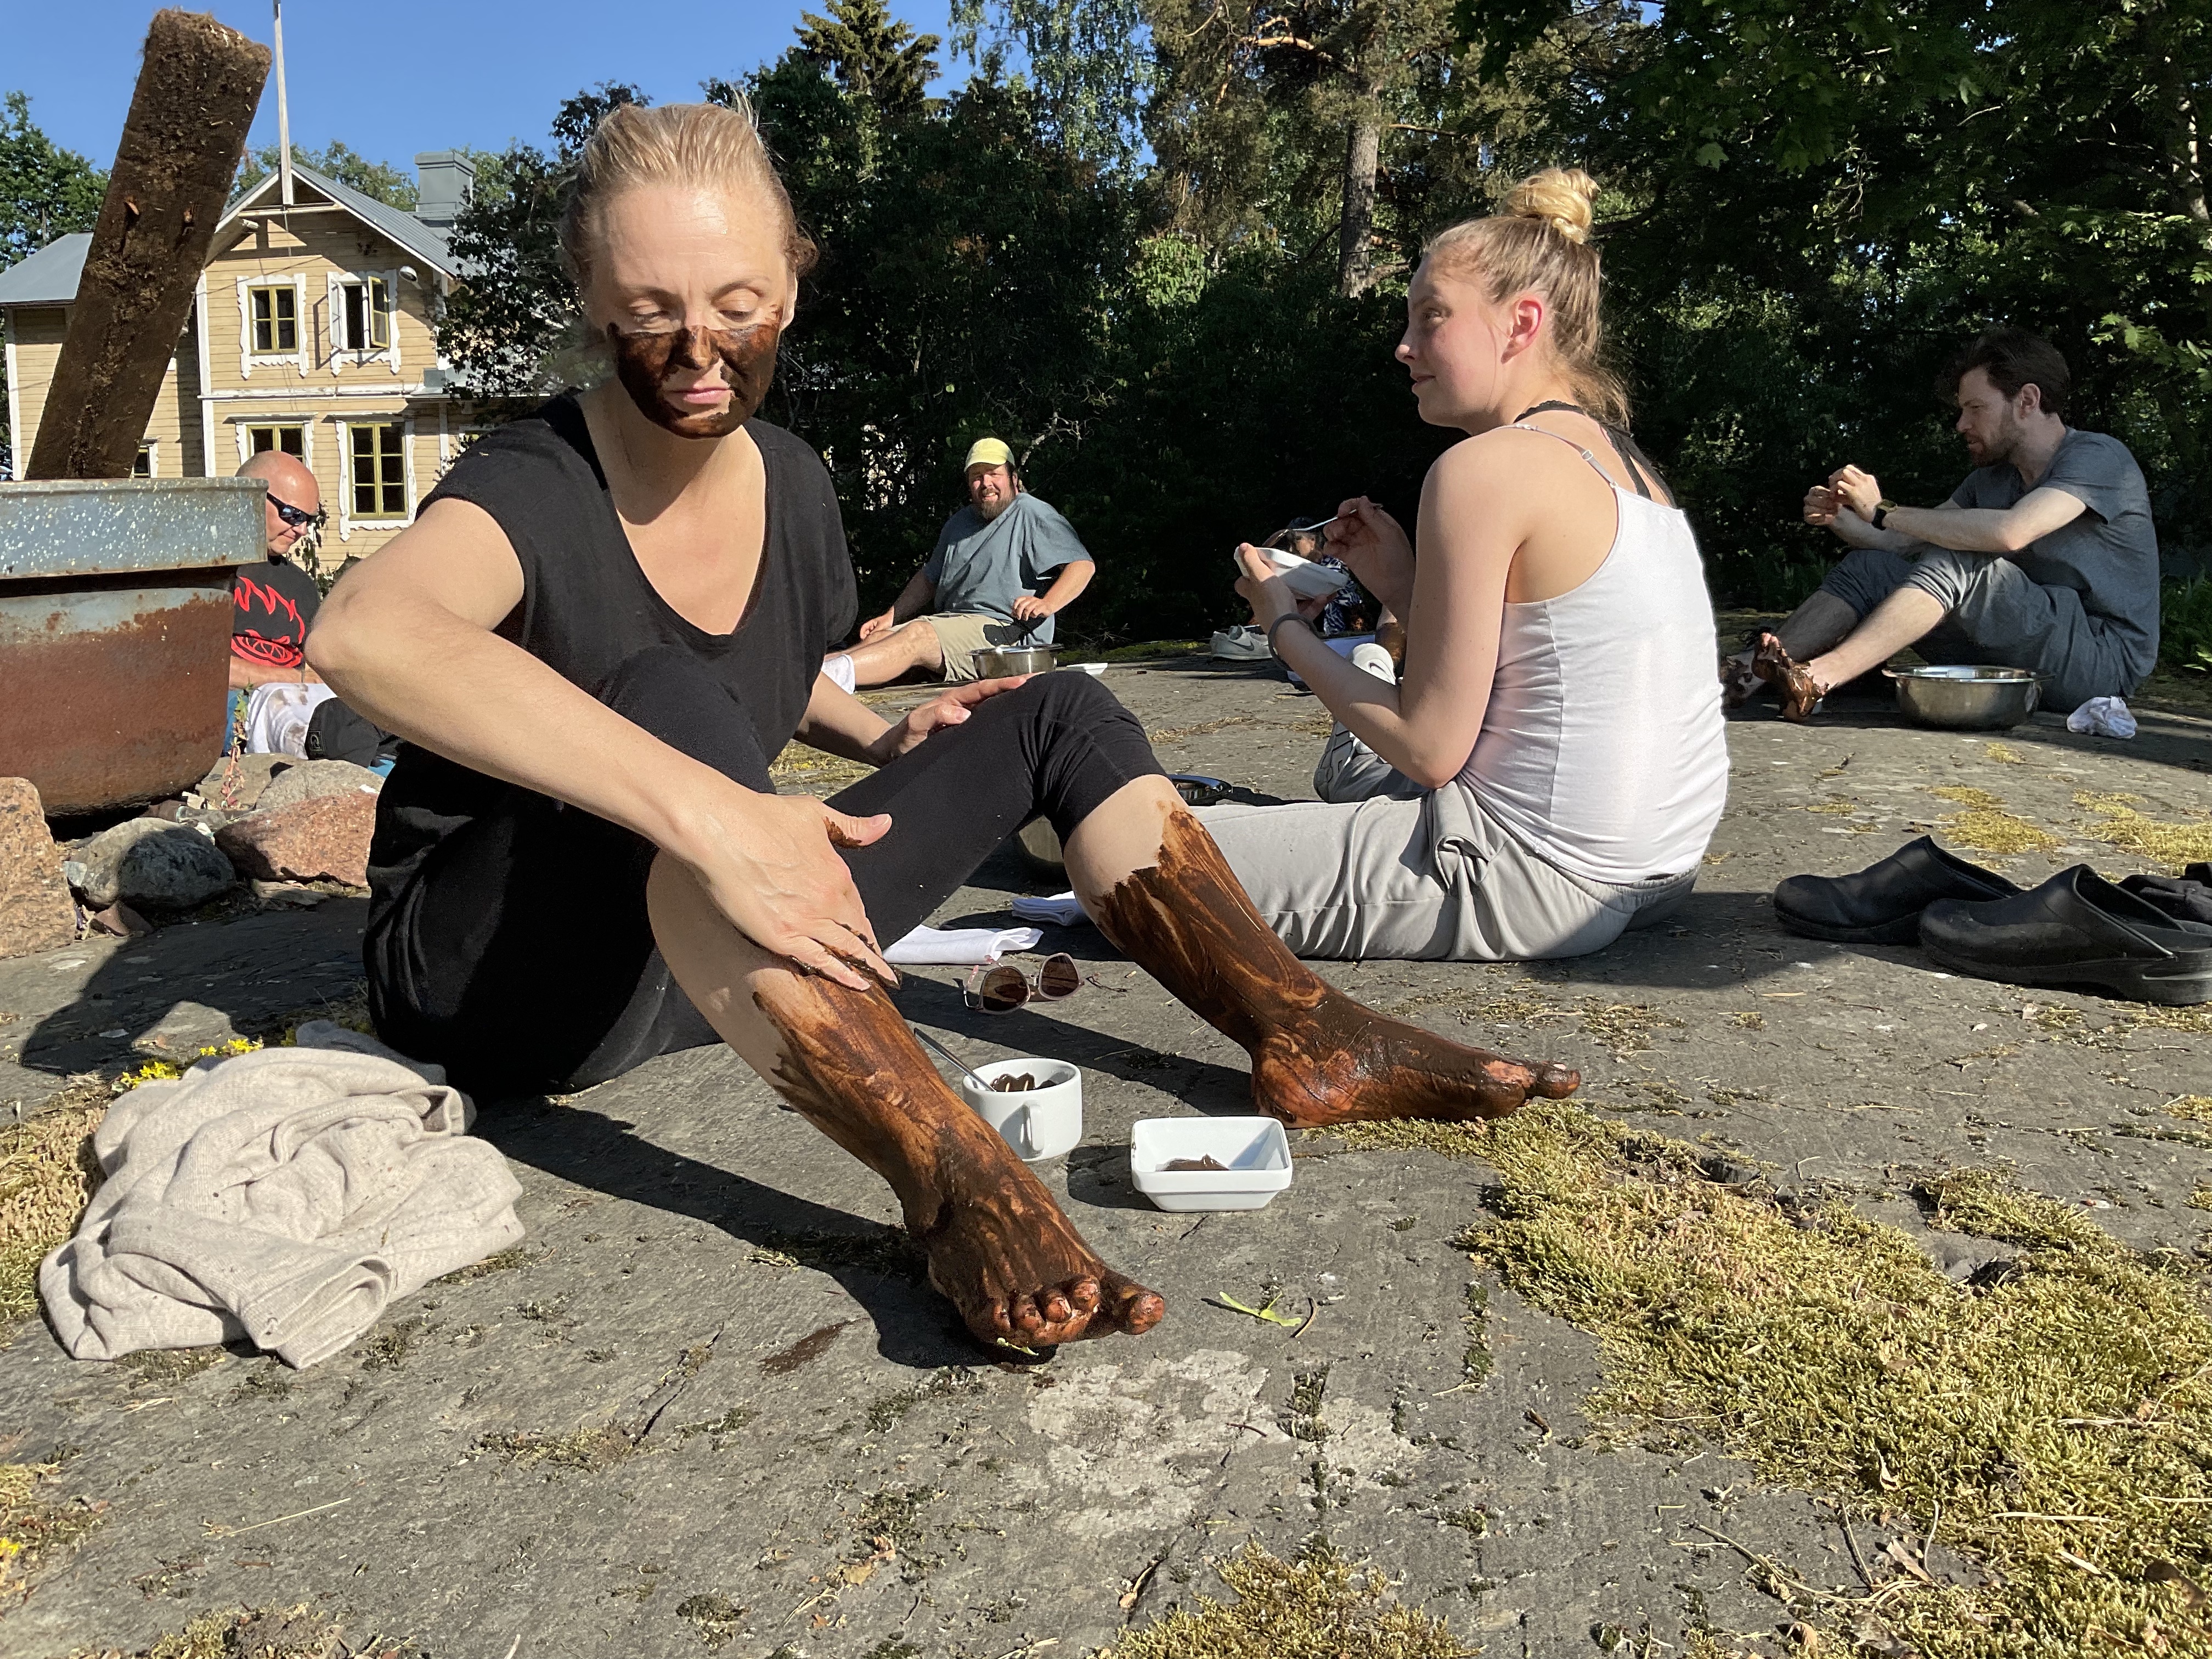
46,192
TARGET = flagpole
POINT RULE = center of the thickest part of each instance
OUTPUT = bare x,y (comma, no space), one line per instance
283,116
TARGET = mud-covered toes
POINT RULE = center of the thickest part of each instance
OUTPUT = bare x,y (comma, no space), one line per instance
1801,694
1130,1306
1557,1082
1089,1306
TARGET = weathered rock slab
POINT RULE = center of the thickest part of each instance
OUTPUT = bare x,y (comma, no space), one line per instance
36,911
150,862
313,780
322,839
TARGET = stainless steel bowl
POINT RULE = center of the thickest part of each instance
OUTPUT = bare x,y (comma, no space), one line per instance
995,662
1040,842
1965,697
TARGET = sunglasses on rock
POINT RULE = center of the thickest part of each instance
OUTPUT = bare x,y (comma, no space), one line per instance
1002,989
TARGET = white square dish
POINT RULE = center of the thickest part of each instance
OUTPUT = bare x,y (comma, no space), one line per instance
1308,580
1256,1151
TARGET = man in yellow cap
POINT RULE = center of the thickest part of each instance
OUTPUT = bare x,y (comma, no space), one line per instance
1005,565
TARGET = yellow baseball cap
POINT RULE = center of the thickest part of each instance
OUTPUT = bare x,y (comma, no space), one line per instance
988,451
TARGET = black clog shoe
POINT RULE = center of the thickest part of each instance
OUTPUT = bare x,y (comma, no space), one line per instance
2077,930
1881,904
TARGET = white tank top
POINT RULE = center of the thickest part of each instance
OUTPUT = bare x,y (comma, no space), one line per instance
1604,749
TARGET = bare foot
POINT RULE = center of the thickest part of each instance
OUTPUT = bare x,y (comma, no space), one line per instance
1348,1063
1801,693
1015,1266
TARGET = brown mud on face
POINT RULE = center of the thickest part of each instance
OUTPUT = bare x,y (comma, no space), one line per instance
1317,1056
998,1245
643,363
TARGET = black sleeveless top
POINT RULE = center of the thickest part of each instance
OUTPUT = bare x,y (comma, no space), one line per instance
586,606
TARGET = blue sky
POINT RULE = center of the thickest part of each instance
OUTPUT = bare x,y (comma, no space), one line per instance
401,75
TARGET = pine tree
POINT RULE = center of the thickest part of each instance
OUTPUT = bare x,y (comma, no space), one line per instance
872,54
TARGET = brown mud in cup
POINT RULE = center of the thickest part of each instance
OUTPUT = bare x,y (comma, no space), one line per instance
1317,1056
643,363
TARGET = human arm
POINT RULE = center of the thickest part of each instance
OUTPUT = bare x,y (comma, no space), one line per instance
838,723
1074,576
1825,508
1373,548
1473,522
914,600
1962,529
246,674
407,640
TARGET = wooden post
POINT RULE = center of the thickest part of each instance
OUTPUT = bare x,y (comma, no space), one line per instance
195,100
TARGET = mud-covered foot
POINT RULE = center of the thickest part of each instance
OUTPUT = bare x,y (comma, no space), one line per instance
1347,1063
1018,1271
1801,694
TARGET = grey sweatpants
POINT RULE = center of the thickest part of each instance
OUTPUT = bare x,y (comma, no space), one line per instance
1429,877
1994,613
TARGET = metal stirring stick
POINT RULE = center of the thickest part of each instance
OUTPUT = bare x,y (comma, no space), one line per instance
948,1054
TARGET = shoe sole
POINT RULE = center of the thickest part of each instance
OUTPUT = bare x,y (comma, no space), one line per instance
1905,931
2130,982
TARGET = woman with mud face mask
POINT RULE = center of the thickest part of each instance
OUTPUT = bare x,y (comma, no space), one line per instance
605,623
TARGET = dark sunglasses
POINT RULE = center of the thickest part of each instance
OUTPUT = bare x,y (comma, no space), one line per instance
297,515
1004,988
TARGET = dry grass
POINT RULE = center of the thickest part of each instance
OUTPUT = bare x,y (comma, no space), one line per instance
35,1525
1986,827
2003,754
1319,1606
2169,844
807,771
2059,1414
296,1633
2190,1108
48,1175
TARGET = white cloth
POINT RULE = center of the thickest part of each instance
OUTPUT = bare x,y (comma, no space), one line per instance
285,1195
277,717
1602,747
838,671
2103,717
959,947
1061,910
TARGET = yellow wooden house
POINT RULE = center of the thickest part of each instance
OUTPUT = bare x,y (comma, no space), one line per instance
312,332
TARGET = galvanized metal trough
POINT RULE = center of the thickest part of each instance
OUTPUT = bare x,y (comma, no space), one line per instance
115,613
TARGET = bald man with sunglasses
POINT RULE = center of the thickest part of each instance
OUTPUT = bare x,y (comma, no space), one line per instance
276,600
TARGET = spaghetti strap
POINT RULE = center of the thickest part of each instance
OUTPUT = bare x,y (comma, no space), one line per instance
1633,458
1596,465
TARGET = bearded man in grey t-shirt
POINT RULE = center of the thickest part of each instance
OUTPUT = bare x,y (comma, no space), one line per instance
2044,558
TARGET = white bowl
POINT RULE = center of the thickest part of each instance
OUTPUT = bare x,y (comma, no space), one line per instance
1306,578
1256,1150
1037,1123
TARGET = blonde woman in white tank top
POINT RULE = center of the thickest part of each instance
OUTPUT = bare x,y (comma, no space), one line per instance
1550,768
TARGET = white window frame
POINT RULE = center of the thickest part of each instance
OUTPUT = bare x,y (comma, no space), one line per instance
239,423
345,354
347,522
247,357
153,449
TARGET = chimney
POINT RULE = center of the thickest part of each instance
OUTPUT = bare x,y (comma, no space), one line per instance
442,179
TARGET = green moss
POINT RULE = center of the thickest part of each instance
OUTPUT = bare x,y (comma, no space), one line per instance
1318,1606
1830,1353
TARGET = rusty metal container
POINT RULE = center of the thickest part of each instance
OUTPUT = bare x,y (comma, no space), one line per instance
115,613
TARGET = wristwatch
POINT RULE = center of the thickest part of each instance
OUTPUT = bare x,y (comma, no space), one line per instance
1882,512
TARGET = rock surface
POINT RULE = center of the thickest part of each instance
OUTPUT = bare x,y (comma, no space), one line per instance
36,912
324,838
313,780
235,783
150,862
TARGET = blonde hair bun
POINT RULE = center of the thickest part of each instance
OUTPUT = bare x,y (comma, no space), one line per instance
1559,197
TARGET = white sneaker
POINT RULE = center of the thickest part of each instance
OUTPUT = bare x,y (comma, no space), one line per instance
1375,660
1243,643
838,671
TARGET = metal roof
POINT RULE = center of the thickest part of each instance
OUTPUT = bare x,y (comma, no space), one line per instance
395,224
48,277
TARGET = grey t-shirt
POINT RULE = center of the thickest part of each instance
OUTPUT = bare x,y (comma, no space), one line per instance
2109,555
981,566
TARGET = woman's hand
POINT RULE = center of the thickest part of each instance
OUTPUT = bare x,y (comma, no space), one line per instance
1262,588
1374,547
769,863
950,707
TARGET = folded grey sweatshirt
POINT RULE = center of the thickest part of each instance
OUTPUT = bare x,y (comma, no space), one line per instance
285,1196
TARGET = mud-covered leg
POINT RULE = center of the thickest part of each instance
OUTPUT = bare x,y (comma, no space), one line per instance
998,1244
1317,1056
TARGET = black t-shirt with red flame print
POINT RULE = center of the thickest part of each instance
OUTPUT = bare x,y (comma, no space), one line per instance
276,603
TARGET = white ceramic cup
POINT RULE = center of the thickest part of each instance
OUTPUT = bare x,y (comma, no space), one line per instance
1037,1123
